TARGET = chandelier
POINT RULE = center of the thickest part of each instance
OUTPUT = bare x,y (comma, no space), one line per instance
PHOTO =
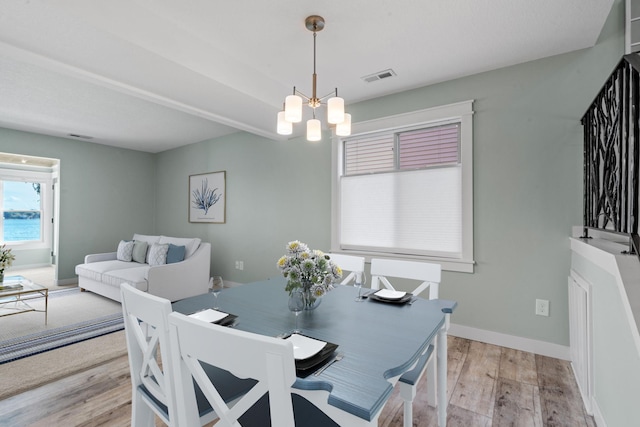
292,112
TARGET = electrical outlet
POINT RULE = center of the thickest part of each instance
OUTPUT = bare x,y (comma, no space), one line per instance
542,307
239,265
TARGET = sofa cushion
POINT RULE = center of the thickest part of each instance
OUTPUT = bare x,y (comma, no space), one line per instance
158,254
191,245
135,276
125,250
95,270
175,253
150,241
139,254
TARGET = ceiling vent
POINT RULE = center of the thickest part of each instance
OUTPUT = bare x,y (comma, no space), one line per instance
379,75
75,135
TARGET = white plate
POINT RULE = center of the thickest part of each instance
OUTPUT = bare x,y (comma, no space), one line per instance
389,294
305,347
209,315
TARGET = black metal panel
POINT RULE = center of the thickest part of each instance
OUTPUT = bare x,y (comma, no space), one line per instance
611,153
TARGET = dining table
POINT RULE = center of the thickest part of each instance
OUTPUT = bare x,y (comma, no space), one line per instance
378,341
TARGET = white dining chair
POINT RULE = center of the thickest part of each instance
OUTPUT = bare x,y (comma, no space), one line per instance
266,361
146,323
351,263
429,275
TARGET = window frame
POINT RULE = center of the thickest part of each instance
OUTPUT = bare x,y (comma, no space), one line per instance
461,112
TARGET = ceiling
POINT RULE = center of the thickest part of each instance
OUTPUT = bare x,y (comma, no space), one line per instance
153,75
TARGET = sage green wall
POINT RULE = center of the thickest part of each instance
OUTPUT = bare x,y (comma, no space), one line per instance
616,365
527,187
106,193
277,191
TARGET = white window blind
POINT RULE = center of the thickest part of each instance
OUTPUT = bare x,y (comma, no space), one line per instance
401,192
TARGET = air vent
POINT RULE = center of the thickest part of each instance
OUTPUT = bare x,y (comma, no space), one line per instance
379,75
75,135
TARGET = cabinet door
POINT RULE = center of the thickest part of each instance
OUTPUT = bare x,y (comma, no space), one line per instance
580,336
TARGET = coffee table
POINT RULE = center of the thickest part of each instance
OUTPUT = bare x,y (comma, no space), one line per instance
16,291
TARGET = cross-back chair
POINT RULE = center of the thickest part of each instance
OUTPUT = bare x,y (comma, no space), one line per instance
266,361
146,322
429,275
351,263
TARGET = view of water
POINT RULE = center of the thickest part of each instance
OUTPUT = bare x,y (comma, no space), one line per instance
21,229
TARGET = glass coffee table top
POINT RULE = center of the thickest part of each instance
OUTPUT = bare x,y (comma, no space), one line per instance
15,291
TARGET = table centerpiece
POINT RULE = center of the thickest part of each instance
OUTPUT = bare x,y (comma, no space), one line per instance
310,271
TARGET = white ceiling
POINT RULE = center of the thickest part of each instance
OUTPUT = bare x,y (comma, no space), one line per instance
152,75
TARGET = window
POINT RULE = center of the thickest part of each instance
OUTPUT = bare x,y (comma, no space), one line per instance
26,206
403,187
21,211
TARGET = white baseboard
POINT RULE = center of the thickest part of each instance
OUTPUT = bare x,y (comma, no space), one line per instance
542,348
66,282
597,415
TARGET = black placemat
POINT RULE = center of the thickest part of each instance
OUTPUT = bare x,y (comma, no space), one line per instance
406,298
309,365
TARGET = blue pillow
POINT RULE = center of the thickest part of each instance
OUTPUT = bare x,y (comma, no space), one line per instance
175,253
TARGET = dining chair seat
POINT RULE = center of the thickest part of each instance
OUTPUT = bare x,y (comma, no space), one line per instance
429,275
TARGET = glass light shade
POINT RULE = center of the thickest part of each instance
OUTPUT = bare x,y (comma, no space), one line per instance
284,127
335,110
314,133
344,128
293,108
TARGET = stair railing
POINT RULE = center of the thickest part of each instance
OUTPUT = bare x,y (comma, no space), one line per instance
611,155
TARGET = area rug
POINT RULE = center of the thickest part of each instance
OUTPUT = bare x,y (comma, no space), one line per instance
38,370
73,317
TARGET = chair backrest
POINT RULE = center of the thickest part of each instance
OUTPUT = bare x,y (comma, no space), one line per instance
267,360
351,263
147,333
429,274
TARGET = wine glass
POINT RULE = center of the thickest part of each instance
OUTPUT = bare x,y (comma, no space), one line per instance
296,304
215,286
359,285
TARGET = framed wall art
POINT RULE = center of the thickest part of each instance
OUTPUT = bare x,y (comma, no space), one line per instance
207,197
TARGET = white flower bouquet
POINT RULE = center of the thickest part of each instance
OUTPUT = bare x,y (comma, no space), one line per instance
311,271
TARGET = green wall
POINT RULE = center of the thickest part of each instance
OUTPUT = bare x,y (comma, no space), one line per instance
527,188
106,193
277,191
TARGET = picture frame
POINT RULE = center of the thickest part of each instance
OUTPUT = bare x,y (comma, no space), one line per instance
207,197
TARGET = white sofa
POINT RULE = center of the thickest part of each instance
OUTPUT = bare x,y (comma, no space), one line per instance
104,273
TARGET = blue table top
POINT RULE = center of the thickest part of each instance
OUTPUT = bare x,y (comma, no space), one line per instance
379,340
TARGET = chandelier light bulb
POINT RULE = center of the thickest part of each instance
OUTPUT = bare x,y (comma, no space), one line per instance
344,128
314,132
293,108
284,127
335,110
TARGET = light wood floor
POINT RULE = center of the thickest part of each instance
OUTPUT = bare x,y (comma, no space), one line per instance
487,386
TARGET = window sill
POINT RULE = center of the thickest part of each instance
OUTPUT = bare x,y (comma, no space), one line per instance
448,264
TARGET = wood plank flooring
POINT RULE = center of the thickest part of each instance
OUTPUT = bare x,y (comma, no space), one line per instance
487,386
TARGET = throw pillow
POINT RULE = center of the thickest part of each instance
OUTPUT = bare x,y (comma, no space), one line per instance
158,254
125,250
191,245
175,253
140,251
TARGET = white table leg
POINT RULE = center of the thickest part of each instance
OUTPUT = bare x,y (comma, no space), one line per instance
441,352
